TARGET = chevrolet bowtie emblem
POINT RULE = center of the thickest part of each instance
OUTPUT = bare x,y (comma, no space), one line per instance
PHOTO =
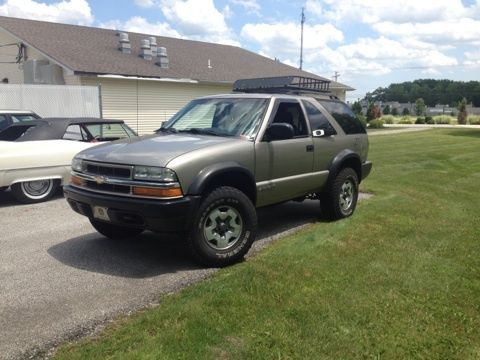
100,180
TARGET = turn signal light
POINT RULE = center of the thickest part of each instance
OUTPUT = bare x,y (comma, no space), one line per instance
157,192
75,180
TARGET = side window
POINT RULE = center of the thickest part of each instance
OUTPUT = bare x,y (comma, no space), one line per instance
317,119
22,117
3,122
291,113
74,132
344,117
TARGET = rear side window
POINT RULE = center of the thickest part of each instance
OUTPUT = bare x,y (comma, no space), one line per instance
344,117
317,119
3,122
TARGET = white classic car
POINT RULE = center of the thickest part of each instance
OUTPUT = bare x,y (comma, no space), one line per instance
38,159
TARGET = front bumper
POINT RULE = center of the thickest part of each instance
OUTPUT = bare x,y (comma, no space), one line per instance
149,214
366,168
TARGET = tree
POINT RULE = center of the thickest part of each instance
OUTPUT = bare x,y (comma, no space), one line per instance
462,112
406,111
386,110
420,107
357,108
373,112
394,111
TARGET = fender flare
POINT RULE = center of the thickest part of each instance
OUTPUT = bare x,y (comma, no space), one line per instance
337,164
209,173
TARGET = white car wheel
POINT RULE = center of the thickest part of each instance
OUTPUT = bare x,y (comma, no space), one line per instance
34,191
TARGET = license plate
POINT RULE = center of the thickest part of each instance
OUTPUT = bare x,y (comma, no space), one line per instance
101,213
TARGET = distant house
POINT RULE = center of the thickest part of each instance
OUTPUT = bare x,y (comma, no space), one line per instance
137,85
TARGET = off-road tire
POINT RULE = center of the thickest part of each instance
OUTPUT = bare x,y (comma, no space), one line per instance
113,231
30,192
234,212
332,204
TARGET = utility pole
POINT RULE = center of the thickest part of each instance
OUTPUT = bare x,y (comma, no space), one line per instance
337,74
301,38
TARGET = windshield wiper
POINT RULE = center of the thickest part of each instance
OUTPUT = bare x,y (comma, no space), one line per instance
167,130
204,132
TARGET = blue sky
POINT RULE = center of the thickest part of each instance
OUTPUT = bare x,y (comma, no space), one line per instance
371,43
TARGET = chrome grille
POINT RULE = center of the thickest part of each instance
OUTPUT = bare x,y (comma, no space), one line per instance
110,170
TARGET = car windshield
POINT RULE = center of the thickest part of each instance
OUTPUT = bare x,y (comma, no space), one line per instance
219,116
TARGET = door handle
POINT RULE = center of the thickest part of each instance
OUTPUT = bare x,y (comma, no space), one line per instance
310,148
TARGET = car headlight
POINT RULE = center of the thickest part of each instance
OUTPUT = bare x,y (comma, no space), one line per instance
153,173
77,165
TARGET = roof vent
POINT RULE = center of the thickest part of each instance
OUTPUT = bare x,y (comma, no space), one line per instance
145,51
162,58
124,43
153,45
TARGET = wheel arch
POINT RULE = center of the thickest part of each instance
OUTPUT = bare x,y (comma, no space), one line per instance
225,174
344,159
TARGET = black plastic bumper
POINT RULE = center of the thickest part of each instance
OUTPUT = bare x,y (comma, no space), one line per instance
150,214
366,168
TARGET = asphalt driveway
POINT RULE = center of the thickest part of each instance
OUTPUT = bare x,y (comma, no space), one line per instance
59,279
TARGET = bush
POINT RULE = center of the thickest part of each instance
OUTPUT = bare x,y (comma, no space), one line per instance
388,119
405,120
420,120
429,120
443,120
474,119
375,124
363,120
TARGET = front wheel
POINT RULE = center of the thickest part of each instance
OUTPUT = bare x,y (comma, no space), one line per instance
224,229
113,231
30,192
340,198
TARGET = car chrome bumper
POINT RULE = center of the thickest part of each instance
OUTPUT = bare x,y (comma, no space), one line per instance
150,214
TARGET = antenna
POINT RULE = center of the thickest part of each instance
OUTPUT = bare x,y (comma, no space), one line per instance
336,75
301,37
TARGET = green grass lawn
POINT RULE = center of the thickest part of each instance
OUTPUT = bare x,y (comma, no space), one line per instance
400,279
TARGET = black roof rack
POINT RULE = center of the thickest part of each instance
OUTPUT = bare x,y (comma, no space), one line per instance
282,85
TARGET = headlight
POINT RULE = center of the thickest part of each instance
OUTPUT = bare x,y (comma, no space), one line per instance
154,174
77,165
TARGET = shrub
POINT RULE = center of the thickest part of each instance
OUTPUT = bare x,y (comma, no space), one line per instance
405,120
375,124
443,120
474,119
420,120
388,119
429,120
363,120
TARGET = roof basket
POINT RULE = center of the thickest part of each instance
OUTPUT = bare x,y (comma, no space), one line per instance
282,84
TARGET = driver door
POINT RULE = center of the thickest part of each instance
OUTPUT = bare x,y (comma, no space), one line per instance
283,167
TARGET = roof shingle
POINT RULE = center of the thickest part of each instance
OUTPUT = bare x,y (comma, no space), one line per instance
88,50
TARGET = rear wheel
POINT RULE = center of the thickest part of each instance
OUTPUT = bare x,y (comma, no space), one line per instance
224,229
340,199
113,231
30,192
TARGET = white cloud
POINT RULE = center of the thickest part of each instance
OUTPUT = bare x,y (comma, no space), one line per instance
68,11
282,39
449,31
314,8
198,19
141,25
145,3
227,12
251,6
400,11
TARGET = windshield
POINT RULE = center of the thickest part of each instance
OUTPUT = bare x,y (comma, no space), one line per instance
220,116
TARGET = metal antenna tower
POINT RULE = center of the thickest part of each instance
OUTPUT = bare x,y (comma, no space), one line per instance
301,38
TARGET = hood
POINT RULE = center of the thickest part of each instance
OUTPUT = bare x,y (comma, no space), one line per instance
151,150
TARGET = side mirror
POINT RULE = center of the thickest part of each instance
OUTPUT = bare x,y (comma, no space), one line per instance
279,131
